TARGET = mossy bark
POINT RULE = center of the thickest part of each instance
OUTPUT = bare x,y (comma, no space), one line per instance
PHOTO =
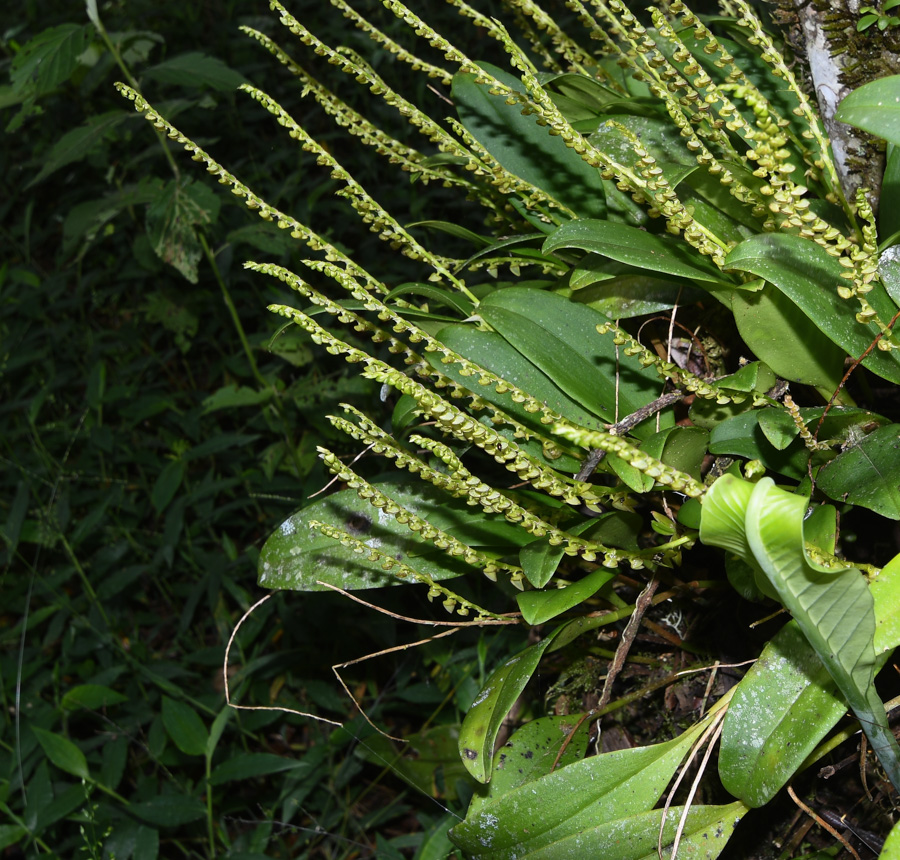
839,59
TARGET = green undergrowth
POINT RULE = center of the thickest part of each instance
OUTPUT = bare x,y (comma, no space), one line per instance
154,422
595,356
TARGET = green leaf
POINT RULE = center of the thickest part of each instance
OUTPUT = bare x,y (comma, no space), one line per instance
167,484
453,300
525,148
216,729
886,594
252,765
539,560
492,352
628,295
532,752
833,608
482,723
874,107
561,339
608,789
173,220
637,248
891,848
785,704
80,142
810,277
18,510
10,834
742,436
63,753
233,395
538,607
868,474
705,834
184,726
196,69
787,340
91,696
296,557
169,810
889,216
50,57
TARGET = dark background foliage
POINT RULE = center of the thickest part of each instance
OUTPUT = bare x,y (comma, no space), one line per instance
149,444
155,426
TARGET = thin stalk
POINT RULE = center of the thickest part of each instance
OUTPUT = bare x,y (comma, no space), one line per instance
94,15
248,351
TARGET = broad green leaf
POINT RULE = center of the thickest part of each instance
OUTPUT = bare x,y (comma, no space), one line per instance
490,351
592,792
834,609
483,720
92,697
297,557
10,834
782,708
889,216
453,300
885,590
787,340
180,207
764,745
167,483
173,222
628,295
874,107
637,248
184,727
532,752
891,848
742,436
810,277
778,427
539,560
525,148
706,832
889,262
867,474
146,844
436,844
80,142
538,607
561,338
578,97
233,395
195,70
50,57
683,448
169,810
63,753
252,765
